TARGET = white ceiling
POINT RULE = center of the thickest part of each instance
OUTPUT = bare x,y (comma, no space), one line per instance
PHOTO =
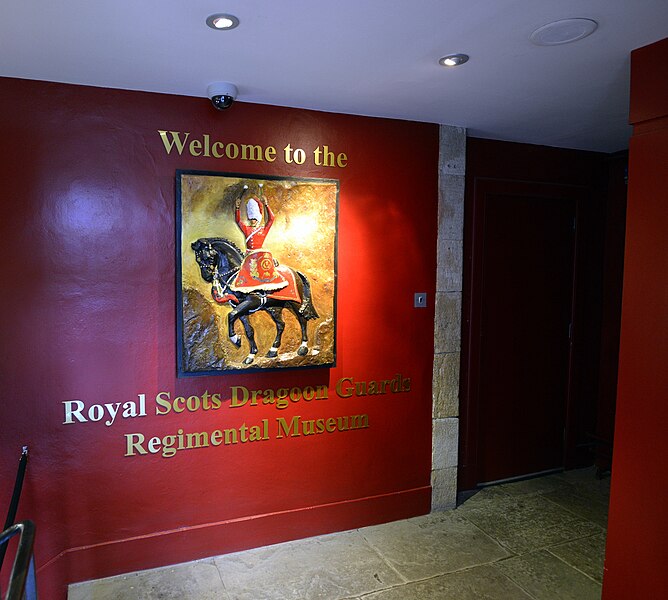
367,57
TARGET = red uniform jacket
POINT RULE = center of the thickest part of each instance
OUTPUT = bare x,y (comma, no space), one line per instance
258,271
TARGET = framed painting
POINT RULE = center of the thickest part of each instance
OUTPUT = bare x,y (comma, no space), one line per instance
256,272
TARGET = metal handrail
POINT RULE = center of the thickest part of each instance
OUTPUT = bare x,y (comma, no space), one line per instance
22,582
16,495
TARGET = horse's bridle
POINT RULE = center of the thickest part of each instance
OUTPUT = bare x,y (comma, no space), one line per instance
227,275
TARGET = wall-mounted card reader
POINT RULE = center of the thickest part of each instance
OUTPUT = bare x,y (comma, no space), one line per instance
420,300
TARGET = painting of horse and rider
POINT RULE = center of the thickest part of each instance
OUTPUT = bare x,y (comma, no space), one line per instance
256,272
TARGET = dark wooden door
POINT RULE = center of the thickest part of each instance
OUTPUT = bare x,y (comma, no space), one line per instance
525,303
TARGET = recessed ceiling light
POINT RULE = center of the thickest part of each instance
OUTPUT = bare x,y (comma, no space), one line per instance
563,32
220,21
453,60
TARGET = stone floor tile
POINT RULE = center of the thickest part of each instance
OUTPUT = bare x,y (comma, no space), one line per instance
578,475
197,580
485,496
587,501
545,577
484,582
432,545
525,523
586,555
538,485
599,487
334,566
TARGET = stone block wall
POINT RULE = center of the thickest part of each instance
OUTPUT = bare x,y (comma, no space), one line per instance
447,326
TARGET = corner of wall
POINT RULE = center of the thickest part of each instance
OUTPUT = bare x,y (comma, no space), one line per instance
447,326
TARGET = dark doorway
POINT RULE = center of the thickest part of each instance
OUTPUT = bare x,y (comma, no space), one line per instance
525,301
527,276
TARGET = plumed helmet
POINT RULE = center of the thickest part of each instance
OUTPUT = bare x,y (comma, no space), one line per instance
254,209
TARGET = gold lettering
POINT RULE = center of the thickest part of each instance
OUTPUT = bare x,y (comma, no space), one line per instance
268,397
197,440
168,449
250,152
342,160
195,147
215,152
281,396
359,421
235,401
285,429
326,158
154,445
231,436
95,413
131,445
129,409
175,141
163,402
179,142
70,411
232,151
396,382
339,387
193,403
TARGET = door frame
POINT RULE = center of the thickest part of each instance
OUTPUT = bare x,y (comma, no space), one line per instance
471,312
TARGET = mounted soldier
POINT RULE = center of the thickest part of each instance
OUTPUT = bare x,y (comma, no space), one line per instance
258,271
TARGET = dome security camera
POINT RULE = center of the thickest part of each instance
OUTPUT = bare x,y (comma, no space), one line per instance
222,94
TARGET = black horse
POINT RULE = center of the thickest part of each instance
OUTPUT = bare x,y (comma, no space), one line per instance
219,258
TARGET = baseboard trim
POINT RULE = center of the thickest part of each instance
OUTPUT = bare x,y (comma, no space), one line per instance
162,548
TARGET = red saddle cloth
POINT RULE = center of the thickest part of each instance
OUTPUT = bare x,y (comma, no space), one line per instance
289,290
258,272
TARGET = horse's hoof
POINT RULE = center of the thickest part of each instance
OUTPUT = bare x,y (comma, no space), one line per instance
249,359
236,340
273,353
303,350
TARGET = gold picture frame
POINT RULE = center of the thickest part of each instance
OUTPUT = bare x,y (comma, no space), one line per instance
255,294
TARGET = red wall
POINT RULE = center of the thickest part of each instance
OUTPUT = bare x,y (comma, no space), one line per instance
87,263
638,528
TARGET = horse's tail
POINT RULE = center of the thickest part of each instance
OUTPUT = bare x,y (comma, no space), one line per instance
307,310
